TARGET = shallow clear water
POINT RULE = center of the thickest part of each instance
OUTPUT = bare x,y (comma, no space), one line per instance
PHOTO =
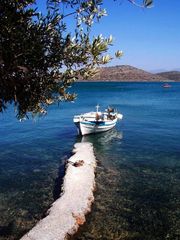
138,193
32,157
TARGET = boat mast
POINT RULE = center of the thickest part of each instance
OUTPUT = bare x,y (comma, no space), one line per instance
97,108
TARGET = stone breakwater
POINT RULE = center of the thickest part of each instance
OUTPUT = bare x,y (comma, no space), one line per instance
68,212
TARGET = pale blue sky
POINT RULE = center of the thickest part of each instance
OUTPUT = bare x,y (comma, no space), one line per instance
150,38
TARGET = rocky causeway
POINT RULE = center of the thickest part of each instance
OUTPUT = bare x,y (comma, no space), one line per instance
68,212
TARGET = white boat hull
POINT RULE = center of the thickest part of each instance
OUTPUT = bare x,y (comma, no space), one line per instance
85,128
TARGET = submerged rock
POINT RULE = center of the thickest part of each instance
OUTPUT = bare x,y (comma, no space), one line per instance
68,212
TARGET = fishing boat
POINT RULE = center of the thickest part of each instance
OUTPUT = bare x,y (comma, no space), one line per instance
166,85
95,122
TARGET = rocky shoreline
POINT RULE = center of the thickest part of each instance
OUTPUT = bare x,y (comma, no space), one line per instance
68,212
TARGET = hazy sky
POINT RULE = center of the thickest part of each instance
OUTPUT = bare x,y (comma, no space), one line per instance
150,38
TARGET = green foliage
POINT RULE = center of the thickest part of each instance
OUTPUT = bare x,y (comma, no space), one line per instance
40,59
148,3
144,4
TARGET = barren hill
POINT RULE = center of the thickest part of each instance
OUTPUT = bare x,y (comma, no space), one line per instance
126,73
172,75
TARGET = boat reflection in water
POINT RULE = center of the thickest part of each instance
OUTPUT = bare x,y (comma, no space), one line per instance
103,138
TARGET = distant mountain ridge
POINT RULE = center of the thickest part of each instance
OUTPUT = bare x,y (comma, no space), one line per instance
171,75
130,73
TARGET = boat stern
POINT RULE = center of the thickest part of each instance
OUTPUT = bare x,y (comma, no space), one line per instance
119,116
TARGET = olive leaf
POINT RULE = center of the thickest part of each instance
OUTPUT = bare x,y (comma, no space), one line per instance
148,3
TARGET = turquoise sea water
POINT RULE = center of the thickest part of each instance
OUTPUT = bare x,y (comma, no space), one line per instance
138,175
